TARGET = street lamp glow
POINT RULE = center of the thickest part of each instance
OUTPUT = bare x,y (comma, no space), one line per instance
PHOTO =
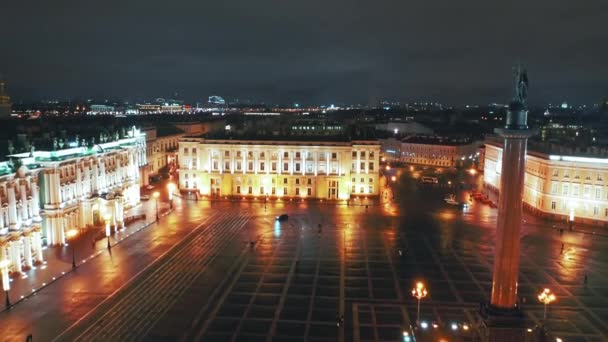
107,218
388,167
156,195
419,292
171,187
546,297
71,233
393,178
473,172
6,282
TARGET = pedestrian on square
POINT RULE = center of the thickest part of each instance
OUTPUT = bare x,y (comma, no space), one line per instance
585,279
562,251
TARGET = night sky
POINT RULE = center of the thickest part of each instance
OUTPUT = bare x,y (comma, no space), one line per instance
307,51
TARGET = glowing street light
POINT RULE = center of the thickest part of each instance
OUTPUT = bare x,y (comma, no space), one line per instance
171,187
71,234
107,218
473,172
419,292
6,284
156,194
393,178
388,167
546,297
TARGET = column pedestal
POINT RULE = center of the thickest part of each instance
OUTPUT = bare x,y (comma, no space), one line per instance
502,325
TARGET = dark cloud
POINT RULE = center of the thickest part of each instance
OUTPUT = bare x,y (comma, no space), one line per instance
305,51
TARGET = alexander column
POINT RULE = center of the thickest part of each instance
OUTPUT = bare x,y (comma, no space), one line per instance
503,319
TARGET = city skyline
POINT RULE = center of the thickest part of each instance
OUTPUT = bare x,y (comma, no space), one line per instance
323,53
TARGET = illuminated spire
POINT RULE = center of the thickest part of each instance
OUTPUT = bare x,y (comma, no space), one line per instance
4,98
5,101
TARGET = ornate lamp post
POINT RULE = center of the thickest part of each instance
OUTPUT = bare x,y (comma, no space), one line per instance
546,297
107,218
6,284
171,187
419,292
156,194
71,234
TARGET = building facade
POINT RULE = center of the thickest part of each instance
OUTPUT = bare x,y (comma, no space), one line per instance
558,186
161,152
295,169
433,151
53,192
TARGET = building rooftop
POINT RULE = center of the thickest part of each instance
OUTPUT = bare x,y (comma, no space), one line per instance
436,140
278,141
547,149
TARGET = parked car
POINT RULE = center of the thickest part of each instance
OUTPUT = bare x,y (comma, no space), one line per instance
282,217
149,187
144,197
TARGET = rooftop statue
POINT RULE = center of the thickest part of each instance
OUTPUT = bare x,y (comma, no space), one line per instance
521,85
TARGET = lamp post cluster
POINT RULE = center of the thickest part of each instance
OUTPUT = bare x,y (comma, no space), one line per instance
156,194
419,292
107,218
171,187
546,297
71,235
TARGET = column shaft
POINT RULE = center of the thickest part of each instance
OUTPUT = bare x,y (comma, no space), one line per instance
506,259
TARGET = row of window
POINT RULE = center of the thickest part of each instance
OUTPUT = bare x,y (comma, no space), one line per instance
286,154
576,175
564,207
286,166
575,190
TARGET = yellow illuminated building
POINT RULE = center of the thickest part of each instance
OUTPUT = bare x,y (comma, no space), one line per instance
558,186
294,169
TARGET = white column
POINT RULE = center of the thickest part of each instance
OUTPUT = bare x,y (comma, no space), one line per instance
27,251
37,242
327,163
57,186
79,180
12,206
23,195
316,162
1,216
15,250
35,200
95,179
